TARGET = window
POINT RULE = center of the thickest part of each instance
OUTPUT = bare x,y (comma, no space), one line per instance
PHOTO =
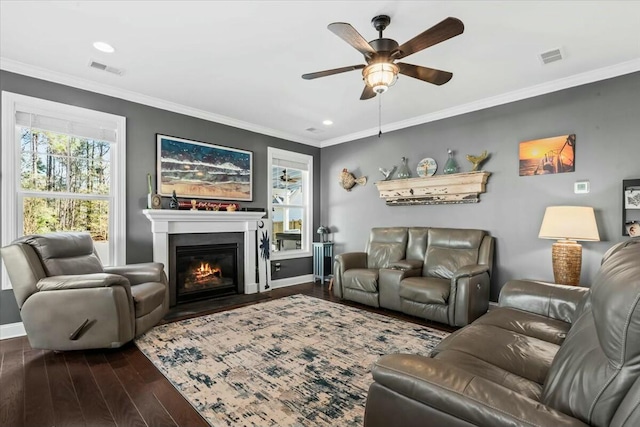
63,169
290,203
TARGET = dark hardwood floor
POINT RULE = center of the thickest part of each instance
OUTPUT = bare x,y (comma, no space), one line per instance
118,387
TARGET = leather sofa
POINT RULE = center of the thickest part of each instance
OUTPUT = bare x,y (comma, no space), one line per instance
69,301
439,274
550,355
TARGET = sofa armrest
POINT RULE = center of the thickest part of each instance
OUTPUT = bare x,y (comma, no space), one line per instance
547,299
139,273
344,262
460,394
407,264
469,298
81,281
389,285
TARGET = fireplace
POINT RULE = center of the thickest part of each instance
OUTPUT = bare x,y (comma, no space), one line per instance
205,265
206,271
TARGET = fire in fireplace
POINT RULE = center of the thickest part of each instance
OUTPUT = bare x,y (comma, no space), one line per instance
206,271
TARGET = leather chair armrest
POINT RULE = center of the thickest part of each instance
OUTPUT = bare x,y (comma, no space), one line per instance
469,298
344,262
139,273
547,299
456,392
407,264
389,285
81,281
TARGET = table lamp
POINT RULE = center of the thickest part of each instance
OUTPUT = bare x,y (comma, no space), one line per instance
568,224
323,231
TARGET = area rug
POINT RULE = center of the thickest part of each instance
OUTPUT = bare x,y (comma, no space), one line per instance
291,362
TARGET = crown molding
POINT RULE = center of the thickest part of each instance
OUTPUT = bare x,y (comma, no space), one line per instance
103,89
506,98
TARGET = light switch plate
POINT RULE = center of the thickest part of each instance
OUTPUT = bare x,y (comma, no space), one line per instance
581,187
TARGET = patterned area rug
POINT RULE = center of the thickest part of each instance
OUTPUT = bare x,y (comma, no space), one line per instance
292,362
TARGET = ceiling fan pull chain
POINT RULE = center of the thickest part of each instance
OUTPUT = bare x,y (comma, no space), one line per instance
379,116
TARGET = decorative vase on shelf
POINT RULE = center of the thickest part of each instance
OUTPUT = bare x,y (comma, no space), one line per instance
451,166
403,171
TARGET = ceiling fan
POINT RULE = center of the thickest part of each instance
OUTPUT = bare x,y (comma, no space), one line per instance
380,54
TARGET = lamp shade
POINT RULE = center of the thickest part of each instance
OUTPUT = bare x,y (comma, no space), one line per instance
570,223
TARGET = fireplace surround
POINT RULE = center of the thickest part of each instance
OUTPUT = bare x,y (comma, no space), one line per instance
208,227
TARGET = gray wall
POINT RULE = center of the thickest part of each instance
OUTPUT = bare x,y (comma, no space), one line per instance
143,123
606,118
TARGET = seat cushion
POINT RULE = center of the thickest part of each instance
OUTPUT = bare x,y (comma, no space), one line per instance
525,323
425,290
519,354
147,297
480,368
361,279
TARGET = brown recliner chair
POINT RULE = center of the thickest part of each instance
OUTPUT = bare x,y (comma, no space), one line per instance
69,301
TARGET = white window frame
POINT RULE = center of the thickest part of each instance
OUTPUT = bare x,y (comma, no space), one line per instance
307,221
10,209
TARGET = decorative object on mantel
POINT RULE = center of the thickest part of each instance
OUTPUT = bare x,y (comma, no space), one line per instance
633,228
349,180
451,166
174,204
149,192
434,190
427,167
387,172
156,201
193,205
568,224
403,171
477,160
548,155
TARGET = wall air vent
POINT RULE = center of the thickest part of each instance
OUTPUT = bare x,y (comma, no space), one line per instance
551,56
314,130
104,67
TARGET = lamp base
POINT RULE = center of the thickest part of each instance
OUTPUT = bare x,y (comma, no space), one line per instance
567,262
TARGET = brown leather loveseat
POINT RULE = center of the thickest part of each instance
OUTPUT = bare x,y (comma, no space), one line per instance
549,356
440,274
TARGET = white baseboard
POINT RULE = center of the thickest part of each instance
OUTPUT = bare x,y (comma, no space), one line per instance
12,330
290,281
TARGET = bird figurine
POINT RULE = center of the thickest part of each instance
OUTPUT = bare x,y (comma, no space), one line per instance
387,172
348,180
476,160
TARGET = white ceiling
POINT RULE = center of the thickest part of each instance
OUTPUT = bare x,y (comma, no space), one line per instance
240,62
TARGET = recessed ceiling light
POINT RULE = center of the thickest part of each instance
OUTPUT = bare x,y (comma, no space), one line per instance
327,122
104,47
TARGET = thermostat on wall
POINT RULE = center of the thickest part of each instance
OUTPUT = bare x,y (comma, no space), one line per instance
581,187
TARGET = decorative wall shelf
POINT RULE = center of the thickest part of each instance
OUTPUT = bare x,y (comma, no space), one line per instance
434,190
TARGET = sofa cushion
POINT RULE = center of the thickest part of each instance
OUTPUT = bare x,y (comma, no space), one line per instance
480,368
147,297
525,323
519,354
362,279
425,290
449,249
386,244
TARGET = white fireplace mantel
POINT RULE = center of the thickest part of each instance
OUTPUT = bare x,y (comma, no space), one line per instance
165,222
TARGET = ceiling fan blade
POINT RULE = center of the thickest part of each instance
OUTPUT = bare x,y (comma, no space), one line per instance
367,93
349,34
325,73
429,75
440,32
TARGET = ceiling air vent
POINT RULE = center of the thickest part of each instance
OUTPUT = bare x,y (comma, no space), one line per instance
104,67
551,56
314,130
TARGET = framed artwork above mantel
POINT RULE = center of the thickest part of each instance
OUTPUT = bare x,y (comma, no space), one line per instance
199,170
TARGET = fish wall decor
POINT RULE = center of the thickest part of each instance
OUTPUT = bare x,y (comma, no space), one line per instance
348,180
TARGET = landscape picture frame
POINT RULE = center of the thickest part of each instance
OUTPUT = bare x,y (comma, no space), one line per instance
547,155
199,170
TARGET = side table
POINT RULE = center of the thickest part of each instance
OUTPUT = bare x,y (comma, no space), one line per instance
322,260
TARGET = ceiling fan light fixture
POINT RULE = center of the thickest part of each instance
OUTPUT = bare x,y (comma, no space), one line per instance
380,76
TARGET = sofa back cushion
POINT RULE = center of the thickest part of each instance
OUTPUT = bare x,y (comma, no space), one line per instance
417,242
65,253
599,360
386,245
448,249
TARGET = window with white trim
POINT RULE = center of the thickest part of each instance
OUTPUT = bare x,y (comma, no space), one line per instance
290,186
63,169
